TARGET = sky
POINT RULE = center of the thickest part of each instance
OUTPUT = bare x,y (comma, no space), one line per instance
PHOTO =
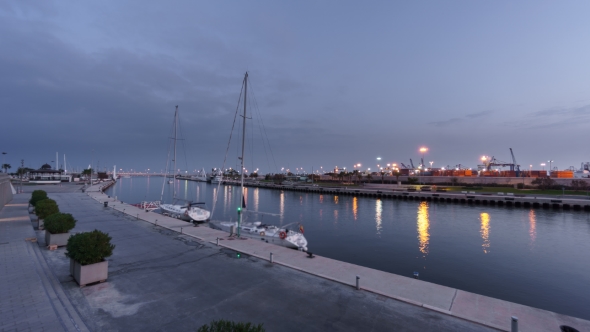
335,83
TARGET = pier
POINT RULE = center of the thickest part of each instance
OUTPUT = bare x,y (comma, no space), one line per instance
167,274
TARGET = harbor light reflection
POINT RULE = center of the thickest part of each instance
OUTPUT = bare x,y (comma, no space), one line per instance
378,215
485,231
423,228
355,207
532,226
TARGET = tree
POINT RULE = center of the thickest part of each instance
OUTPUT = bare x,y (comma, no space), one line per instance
382,176
87,171
358,174
396,174
254,175
579,185
369,177
341,176
6,167
543,183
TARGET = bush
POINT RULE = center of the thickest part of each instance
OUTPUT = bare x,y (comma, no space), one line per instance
45,208
227,326
59,223
90,247
520,185
38,195
412,180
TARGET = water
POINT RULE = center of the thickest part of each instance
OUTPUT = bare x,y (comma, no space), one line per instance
534,257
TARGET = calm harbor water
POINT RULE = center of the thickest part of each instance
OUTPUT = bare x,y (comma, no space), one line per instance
534,257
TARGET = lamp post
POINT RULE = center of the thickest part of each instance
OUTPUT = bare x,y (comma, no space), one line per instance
423,150
550,161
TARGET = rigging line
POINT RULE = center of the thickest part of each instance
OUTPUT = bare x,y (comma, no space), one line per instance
166,169
265,134
227,150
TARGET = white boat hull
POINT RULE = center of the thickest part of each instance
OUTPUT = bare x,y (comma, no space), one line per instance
181,212
267,233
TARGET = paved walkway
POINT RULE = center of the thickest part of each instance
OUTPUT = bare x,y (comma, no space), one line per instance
167,275
31,298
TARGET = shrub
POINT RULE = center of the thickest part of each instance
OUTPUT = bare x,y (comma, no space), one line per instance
412,180
38,195
45,208
90,247
228,326
520,185
59,223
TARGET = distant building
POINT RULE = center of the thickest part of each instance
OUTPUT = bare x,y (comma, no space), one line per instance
47,175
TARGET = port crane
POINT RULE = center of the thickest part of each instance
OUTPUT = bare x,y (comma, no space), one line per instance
488,164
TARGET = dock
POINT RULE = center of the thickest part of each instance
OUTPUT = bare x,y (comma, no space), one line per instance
479,309
166,274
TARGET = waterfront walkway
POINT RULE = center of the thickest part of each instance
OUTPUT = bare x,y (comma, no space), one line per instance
167,275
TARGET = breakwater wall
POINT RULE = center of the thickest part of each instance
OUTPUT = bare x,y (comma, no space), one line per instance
5,190
464,197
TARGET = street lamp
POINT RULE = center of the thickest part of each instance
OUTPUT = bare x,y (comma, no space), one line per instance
431,162
423,151
550,161
543,164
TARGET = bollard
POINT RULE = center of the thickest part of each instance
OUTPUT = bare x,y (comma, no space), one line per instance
137,216
271,260
358,283
180,230
217,241
514,327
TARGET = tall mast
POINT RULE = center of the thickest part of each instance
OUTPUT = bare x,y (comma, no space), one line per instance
174,171
242,158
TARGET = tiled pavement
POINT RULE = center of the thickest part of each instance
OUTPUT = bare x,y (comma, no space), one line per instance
31,298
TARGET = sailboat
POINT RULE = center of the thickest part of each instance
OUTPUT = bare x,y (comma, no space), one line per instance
257,230
188,211
201,176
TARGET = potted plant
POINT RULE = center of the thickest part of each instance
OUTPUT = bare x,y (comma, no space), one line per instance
87,253
38,195
43,209
57,228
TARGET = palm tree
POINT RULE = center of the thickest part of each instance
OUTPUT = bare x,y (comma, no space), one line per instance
396,174
382,175
341,176
369,177
6,167
358,175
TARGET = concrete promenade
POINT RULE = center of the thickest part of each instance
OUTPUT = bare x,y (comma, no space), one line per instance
166,275
452,302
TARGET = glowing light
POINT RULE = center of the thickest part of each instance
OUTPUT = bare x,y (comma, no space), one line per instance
355,207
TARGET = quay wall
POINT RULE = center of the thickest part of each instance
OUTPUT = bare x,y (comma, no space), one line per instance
465,197
482,180
5,190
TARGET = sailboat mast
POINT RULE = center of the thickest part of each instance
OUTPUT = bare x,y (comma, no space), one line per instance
174,171
242,158
244,131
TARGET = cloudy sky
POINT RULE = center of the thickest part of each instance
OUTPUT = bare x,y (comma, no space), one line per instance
334,82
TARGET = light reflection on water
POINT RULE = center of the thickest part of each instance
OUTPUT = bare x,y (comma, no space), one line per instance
387,234
423,228
378,211
532,227
485,231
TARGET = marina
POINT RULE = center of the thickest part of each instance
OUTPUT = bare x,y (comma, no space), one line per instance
500,251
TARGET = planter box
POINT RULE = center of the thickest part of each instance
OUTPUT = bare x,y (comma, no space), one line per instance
40,224
31,209
58,239
87,274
